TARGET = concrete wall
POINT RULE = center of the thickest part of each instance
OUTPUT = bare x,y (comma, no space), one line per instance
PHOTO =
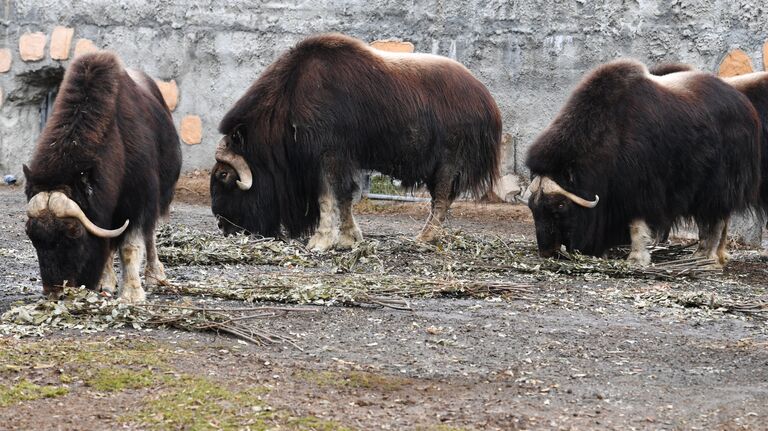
529,53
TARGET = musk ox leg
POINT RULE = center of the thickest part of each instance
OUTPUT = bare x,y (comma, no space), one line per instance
722,251
108,282
326,234
441,202
154,274
641,239
349,233
712,242
131,255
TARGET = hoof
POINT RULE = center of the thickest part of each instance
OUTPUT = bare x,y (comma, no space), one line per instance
320,242
642,259
156,276
133,295
347,240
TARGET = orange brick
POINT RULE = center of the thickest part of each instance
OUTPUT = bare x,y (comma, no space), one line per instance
737,62
32,46
61,40
765,56
6,57
393,45
191,129
84,46
170,92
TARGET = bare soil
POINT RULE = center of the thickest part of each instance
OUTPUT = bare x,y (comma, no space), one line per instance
580,352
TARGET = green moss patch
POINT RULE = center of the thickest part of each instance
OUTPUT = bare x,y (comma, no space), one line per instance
25,390
194,403
355,380
120,379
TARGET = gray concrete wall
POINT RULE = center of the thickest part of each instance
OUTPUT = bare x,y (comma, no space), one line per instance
529,53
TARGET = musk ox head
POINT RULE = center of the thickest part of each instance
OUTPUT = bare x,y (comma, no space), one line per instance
555,214
243,196
70,247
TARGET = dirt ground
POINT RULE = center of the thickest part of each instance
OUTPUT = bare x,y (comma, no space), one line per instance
577,352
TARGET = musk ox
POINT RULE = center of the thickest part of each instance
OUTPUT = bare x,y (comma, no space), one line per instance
755,87
295,143
103,171
654,149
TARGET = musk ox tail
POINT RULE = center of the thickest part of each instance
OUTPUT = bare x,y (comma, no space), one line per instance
85,105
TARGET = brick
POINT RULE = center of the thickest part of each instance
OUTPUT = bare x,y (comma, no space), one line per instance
191,129
84,46
32,46
6,57
170,92
765,56
737,62
393,45
61,40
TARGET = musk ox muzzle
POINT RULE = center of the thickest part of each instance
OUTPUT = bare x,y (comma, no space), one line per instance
224,154
61,206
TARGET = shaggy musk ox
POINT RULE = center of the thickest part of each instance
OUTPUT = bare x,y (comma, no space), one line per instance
755,87
296,141
654,149
103,171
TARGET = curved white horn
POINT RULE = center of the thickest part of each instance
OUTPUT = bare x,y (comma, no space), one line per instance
62,206
37,204
238,163
548,185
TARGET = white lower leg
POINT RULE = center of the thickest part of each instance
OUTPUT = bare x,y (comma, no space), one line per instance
131,256
711,240
722,251
108,282
327,231
434,225
350,233
154,274
641,239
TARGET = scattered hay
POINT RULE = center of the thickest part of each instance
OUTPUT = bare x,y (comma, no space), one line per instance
350,289
86,310
179,245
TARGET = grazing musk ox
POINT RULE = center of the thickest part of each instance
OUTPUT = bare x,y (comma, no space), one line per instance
755,87
108,156
296,141
654,149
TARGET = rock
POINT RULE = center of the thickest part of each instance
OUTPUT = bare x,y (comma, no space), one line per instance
508,187
170,92
393,45
84,46
9,180
32,46
737,62
61,40
6,57
191,129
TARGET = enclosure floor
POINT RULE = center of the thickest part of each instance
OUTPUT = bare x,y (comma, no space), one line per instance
565,358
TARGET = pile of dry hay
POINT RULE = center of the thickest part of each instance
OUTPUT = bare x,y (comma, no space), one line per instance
382,271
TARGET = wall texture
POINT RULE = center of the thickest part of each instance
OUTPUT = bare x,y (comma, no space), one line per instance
529,53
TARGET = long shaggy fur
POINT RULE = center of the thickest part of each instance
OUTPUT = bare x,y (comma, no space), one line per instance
111,147
657,149
755,87
332,106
